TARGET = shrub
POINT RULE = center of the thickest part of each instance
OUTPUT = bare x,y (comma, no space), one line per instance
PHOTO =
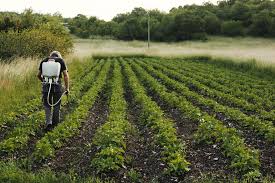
32,43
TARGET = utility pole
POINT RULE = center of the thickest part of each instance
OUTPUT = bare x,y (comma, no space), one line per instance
148,26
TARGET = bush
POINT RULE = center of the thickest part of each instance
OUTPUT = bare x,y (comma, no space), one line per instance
32,43
232,28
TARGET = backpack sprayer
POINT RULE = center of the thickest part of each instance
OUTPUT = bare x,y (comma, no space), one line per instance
50,73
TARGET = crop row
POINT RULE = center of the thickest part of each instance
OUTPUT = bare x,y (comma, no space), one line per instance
261,98
110,137
20,135
164,131
242,85
228,95
45,147
262,128
230,74
243,159
19,112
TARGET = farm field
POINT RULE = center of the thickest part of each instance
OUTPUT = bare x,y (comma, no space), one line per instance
147,119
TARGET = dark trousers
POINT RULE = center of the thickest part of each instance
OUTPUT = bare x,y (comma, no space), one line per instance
52,113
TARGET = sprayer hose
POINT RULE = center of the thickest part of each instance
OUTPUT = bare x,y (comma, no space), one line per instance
48,97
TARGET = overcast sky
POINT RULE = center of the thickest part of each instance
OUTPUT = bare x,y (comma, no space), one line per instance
103,9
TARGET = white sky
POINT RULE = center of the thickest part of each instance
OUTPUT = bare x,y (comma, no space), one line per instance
103,9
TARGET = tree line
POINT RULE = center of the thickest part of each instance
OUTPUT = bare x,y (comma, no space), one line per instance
228,18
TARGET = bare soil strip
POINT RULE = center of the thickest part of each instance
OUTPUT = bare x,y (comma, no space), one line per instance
77,154
144,152
205,159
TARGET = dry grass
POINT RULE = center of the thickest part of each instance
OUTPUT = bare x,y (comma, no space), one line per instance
18,82
19,69
241,49
15,72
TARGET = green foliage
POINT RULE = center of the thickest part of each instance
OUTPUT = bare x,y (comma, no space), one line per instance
261,24
134,175
27,106
230,18
110,137
190,86
18,137
243,159
232,28
188,25
241,12
32,35
32,43
164,131
261,127
212,24
45,147
11,173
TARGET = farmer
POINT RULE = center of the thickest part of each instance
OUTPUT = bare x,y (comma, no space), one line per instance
51,97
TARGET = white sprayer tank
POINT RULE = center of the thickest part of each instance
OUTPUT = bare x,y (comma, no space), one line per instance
51,68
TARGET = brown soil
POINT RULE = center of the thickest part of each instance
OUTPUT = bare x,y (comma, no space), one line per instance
145,154
142,154
267,149
252,140
205,159
77,153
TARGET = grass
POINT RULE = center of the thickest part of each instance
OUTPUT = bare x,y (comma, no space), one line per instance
255,54
18,81
239,48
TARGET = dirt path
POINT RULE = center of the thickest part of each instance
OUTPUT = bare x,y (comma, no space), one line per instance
144,152
77,153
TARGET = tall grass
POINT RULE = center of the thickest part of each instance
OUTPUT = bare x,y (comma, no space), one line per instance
241,49
19,84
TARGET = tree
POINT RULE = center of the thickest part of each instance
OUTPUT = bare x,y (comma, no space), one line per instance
213,25
241,12
232,28
261,24
188,26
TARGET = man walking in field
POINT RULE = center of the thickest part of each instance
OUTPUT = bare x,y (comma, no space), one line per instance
50,73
